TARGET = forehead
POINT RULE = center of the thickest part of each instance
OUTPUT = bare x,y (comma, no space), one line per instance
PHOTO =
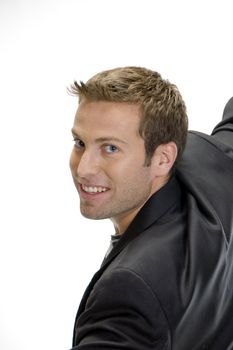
114,117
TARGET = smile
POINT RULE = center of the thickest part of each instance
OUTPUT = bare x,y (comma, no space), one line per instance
93,189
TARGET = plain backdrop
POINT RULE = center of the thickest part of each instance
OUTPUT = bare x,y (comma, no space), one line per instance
48,252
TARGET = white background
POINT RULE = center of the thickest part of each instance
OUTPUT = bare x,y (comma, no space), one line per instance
48,252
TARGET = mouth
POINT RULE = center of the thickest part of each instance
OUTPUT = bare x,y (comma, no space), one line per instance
93,190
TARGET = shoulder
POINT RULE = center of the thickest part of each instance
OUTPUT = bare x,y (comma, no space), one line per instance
205,172
122,308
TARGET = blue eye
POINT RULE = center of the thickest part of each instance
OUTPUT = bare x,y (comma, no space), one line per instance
111,149
79,143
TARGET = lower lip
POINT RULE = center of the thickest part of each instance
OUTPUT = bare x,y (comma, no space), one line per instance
90,196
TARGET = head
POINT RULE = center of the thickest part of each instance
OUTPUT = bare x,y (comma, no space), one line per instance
129,130
163,115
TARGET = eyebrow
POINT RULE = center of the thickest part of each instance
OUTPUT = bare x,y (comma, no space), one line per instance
102,139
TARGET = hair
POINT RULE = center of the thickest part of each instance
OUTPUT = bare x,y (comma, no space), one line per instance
162,109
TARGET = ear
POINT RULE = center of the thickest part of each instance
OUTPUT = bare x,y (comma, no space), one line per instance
163,158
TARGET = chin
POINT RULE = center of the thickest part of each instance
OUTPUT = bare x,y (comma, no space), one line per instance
91,216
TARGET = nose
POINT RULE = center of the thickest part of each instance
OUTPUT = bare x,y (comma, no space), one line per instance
88,164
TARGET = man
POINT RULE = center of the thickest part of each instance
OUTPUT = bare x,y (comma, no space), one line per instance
167,281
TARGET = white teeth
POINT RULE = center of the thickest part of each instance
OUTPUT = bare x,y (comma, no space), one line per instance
90,189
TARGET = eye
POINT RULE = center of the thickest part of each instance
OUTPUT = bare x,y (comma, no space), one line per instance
78,143
111,149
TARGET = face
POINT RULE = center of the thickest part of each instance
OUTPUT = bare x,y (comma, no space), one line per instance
107,162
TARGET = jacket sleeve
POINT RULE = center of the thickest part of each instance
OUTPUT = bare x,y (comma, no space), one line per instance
224,130
122,312
206,172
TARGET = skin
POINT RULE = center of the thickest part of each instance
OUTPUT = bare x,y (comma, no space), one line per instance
107,162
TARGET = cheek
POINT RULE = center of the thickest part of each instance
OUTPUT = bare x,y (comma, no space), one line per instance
130,171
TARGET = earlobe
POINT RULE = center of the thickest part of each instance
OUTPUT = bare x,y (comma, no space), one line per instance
164,157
